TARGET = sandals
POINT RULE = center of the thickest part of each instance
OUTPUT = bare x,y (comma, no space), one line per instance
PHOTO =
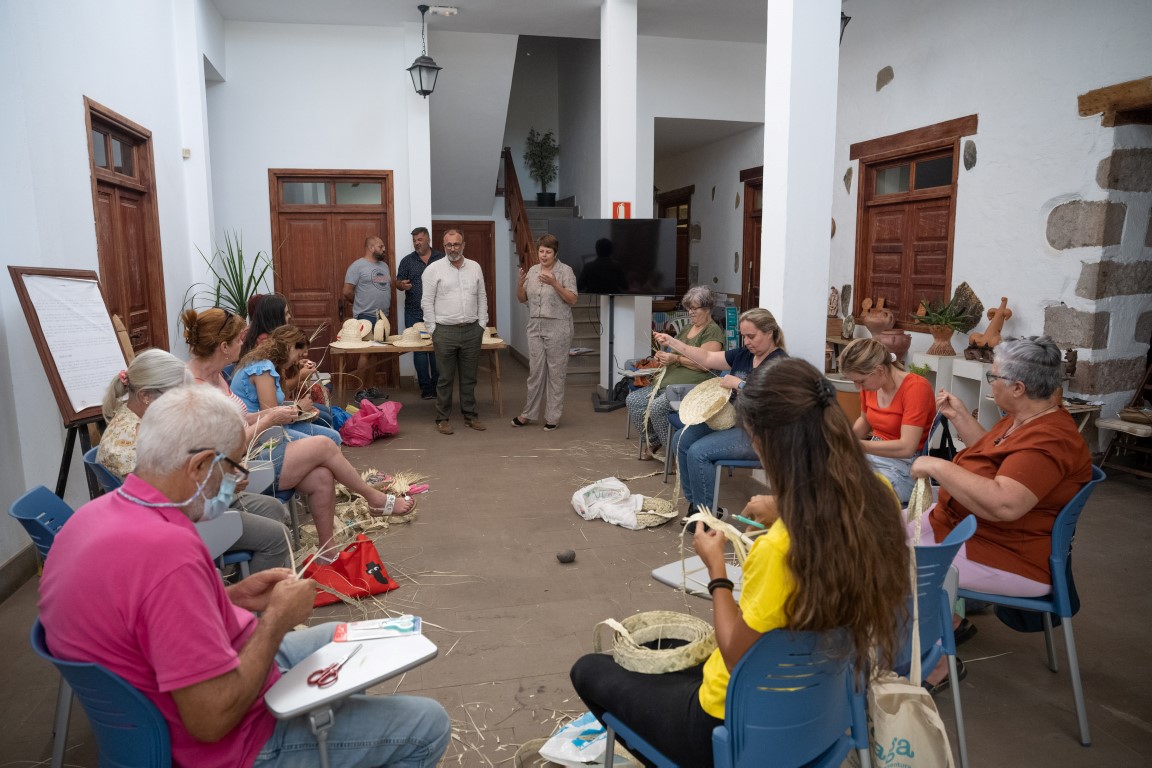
964,632
943,685
518,422
388,509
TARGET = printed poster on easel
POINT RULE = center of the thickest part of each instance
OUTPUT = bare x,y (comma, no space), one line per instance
72,328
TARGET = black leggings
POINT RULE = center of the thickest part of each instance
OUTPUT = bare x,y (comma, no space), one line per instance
663,709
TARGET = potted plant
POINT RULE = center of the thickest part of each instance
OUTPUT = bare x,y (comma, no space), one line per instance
540,153
942,320
237,278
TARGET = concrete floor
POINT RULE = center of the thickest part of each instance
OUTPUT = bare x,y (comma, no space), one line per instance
479,565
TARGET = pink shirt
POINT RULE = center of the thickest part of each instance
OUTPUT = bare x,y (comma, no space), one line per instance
133,589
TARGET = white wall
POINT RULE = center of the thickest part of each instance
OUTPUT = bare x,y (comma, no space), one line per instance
715,171
533,103
300,96
468,111
1019,67
48,50
579,86
700,79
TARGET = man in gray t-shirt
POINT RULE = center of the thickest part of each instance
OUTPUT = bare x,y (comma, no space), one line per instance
368,282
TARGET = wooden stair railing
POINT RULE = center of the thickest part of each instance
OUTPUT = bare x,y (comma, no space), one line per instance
515,212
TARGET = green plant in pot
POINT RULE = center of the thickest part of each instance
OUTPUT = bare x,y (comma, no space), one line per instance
540,153
942,320
237,278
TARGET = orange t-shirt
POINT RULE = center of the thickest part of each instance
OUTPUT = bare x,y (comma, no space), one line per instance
914,404
1049,457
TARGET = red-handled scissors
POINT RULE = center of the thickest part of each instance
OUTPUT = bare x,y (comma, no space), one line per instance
322,678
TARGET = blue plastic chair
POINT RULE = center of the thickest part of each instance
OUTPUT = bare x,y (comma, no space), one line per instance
937,639
791,697
43,514
1059,602
129,729
104,477
730,463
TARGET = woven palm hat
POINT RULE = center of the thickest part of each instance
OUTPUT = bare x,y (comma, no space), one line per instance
352,335
382,329
708,403
410,338
490,336
420,326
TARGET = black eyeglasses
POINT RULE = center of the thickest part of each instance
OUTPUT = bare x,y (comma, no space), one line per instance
243,470
991,377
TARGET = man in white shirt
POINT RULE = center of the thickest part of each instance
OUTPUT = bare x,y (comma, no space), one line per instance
455,310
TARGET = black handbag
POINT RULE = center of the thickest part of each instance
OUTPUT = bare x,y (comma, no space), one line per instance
947,449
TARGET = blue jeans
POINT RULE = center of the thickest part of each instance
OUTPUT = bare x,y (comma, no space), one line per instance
425,362
312,428
898,473
368,731
697,450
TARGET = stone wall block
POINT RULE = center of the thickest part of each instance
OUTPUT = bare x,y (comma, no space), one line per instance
1144,328
1128,170
1073,328
1108,376
1083,223
1101,279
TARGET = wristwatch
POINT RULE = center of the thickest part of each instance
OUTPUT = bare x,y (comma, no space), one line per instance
741,384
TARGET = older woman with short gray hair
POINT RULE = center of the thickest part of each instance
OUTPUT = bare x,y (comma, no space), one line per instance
1015,477
652,401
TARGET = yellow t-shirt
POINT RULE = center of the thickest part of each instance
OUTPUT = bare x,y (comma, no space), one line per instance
767,584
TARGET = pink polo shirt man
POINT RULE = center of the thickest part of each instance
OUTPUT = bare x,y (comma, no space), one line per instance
133,589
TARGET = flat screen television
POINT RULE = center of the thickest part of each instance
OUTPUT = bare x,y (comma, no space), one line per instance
622,257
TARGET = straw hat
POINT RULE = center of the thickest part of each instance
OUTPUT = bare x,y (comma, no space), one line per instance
382,328
352,335
420,326
490,336
708,403
410,338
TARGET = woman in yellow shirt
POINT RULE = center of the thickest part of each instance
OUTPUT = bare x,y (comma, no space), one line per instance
833,556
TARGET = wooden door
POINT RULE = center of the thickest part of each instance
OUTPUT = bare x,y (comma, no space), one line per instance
753,179
320,220
127,225
480,246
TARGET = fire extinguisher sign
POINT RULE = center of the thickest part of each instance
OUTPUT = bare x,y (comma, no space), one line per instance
621,210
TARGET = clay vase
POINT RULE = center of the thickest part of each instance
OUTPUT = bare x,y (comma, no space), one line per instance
877,320
897,342
941,341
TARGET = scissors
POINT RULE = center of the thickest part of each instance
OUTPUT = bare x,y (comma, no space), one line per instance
322,678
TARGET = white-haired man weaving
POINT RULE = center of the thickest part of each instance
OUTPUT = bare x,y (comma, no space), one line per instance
131,587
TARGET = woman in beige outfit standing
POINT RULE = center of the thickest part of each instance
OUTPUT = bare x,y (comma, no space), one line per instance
549,290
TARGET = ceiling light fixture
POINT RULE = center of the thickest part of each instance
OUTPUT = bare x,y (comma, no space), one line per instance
424,70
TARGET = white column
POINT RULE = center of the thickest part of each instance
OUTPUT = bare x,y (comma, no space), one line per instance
192,100
801,66
633,315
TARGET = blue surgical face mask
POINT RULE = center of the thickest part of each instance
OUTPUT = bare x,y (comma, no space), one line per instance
220,503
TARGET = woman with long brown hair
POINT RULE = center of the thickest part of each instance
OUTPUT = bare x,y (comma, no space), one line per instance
834,557
311,465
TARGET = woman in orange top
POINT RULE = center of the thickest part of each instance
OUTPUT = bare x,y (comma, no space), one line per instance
896,411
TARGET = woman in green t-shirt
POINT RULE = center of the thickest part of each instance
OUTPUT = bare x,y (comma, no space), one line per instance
703,333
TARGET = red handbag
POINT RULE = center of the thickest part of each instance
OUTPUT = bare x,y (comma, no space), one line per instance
371,422
358,571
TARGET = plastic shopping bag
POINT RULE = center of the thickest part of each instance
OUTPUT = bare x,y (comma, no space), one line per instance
610,500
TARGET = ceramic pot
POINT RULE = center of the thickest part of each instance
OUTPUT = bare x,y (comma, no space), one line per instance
941,341
878,320
897,342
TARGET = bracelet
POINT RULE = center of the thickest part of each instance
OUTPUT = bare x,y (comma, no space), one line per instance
720,583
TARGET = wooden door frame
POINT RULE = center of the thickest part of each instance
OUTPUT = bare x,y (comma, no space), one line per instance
147,187
752,179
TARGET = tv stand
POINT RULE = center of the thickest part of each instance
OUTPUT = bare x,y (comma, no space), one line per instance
600,402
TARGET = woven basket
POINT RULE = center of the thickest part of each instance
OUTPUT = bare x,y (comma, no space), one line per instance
631,634
655,512
707,400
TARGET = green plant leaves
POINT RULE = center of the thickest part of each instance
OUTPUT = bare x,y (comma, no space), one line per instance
236,277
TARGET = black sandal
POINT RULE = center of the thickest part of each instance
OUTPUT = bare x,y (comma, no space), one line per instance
964,632
943,685
517,423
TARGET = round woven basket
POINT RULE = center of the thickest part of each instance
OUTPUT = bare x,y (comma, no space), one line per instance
705,404
655,512
1136,415
636,630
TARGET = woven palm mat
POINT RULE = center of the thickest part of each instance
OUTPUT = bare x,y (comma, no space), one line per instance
352,516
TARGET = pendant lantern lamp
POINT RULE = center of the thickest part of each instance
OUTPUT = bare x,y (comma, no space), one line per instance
424,70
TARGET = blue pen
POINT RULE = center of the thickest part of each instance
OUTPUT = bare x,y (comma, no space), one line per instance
747,521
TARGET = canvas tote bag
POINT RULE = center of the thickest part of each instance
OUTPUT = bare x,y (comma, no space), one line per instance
905,730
